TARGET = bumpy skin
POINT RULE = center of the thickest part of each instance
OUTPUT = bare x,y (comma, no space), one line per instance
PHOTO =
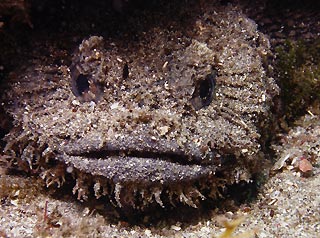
169,118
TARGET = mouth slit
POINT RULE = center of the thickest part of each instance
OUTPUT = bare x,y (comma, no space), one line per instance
173,157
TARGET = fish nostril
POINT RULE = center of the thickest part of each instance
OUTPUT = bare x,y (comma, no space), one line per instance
125,71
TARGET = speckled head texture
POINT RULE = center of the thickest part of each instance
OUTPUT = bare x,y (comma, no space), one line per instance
168,117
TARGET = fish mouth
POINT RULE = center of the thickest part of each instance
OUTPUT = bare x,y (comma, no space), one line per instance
151,173
137,178
148,164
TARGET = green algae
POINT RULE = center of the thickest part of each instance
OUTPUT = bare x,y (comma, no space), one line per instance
298,72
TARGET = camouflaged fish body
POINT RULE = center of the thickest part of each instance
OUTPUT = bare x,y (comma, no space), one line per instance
164,120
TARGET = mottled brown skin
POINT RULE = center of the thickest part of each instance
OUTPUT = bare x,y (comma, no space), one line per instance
169,118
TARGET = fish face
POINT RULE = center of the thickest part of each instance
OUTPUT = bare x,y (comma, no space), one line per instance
164,120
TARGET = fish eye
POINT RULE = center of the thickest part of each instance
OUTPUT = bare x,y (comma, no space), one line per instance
82,84
204,91
84,87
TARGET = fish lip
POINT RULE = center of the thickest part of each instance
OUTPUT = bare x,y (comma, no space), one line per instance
136,170
177,157
163,150
160,164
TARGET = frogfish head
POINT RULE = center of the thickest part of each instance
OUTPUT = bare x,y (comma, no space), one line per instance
163,120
